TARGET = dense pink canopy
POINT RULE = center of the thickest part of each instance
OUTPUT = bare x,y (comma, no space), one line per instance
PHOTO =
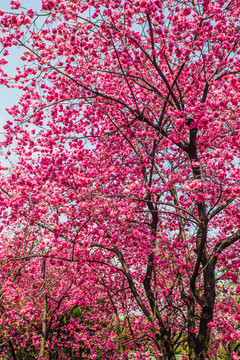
120,219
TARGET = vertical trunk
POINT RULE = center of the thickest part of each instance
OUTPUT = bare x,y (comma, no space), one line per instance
12,350
191,327
164,336
170,352
44,315
165,347
44,328
203,337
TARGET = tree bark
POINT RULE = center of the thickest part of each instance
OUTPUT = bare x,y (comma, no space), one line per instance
12,350
44,316
44,328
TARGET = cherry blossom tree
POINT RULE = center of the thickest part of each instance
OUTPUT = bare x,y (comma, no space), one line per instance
127,143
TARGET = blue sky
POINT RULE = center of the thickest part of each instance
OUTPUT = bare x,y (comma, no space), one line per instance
9,97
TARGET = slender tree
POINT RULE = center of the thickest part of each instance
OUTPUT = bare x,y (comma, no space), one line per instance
127,138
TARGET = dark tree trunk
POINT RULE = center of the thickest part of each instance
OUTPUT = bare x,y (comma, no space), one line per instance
203,338
11,347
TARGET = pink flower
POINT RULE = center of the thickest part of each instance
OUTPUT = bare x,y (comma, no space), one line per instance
30,13
126,191
15,4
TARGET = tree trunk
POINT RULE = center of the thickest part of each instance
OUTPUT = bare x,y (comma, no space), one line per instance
44,316
12,350
203,337
44,328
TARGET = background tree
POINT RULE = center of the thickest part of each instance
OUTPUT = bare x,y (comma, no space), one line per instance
127,137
